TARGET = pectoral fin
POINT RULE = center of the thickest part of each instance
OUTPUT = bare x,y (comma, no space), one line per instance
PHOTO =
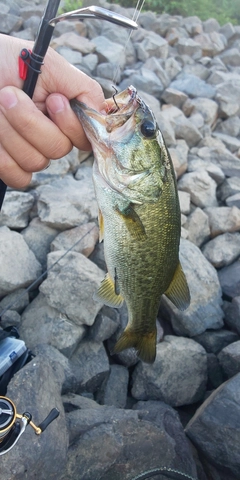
107,293
178,291
132,222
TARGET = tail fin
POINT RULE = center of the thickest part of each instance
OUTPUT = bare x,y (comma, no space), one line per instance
145,344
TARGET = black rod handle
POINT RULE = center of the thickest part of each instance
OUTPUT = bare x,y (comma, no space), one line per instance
49,419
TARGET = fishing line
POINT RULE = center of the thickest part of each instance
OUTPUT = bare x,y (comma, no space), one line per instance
37,281
135,16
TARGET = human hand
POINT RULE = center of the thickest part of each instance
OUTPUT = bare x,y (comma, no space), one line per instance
28,137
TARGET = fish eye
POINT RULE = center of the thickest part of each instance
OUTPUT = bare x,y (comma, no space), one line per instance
148,129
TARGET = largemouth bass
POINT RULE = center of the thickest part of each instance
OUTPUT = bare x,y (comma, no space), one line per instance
139,216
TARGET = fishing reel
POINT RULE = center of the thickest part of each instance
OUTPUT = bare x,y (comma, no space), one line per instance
13,424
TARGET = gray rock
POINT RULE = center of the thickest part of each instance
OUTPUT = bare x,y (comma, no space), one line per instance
38,237
90,61
83,420
90,365
53,327
11,317
187,46
228,98
230,126
144,80
10,22
185,128
215,340
229,359
64,376
166,418
97,256
228,30
19,266
223,219
128,443
207,107
211,25
184,200
206,428
224,159
193,86
174,97
166,129
115,388
229,187
109,71
72,401
184,383
68,26
215,375
211,43
67,203
198,227
192,24
80,239
205,310
231,57
232,314
71,283
223,249
201,186
229,278
152,46
232,143
16,209
155,65
234,200
72,40
197,163
108,51
146,20
179,155
172,67
70,55
16,301
106,323
40,394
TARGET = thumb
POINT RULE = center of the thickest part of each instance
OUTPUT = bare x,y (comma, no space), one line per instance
62,115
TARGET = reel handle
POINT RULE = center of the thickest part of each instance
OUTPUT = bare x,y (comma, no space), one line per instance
49,419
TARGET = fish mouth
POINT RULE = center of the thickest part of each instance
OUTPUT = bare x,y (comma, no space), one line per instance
120,108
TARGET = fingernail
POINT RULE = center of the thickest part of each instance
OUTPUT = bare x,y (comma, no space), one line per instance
56,104
8,99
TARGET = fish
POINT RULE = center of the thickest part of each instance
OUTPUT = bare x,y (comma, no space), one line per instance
139,216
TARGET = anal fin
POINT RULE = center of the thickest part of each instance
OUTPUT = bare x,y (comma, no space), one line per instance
178,291
107,293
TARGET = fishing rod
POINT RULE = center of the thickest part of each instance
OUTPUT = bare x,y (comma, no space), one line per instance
30,62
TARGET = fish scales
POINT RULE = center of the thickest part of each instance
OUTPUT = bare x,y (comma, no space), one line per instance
139,216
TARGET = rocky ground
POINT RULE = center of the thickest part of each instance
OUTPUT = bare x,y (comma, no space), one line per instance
120,417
